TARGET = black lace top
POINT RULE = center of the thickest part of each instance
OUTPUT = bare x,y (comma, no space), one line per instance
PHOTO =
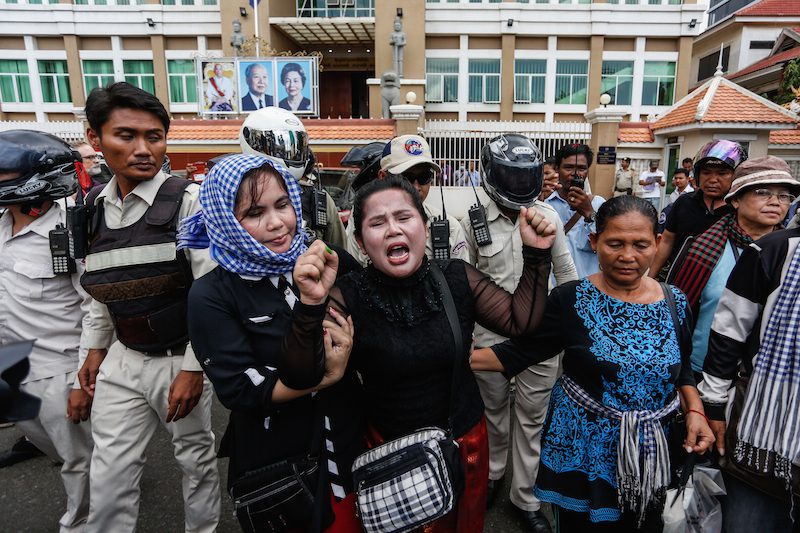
403,347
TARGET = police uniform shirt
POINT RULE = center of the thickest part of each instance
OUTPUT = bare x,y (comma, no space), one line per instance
37,304
121,213
502,259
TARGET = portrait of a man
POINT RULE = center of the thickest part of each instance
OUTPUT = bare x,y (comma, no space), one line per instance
257,89
220,92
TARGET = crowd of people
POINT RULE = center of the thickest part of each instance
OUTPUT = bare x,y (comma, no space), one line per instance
337,349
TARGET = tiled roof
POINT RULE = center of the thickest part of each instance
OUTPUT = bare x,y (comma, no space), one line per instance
786,55
784,137
771,8
720,100
318,130
635,132
683,114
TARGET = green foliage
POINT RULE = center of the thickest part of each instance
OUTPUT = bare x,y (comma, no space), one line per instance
790,82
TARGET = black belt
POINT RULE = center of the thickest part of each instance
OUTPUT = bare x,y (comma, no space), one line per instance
170,352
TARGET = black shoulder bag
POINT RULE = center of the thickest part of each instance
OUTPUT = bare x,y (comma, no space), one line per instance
286,495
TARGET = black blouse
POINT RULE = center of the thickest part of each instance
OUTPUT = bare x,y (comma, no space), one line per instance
404,349
237,328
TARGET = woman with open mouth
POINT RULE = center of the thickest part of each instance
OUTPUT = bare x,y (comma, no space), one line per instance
404,347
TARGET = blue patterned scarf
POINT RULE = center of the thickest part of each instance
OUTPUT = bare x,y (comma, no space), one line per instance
215,226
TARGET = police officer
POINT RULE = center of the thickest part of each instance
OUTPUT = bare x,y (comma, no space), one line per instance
279,135
41,298
511,167
409,156
149,376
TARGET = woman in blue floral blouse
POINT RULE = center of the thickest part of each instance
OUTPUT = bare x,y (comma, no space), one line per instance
604,463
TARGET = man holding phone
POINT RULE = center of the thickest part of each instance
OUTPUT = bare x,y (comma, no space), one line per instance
575,206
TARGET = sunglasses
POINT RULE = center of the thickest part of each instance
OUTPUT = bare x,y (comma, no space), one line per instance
423,178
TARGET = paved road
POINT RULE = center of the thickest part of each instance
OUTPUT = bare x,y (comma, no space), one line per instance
32,497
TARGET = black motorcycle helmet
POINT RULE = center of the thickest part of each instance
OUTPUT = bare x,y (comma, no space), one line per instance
45,167
368,159
511,167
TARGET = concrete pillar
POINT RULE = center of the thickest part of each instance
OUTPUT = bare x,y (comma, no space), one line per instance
408,118
413,20
75,71
595,71
605,132
683,70
507,77
160,69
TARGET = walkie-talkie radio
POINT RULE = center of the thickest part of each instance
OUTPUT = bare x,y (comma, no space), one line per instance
440,238
477,219
59,251
440,234
320,208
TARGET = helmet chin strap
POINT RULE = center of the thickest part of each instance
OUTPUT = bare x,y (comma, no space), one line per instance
32,209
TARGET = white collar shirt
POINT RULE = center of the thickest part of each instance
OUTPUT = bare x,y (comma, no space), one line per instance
37,304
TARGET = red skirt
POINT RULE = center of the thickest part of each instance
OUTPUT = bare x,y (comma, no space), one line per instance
468,515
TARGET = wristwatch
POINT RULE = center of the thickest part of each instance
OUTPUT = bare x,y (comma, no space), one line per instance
589,219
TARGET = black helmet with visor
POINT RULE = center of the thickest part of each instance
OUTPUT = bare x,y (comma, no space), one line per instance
36,167
512,167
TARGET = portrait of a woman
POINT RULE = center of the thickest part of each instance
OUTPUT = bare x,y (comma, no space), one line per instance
293,79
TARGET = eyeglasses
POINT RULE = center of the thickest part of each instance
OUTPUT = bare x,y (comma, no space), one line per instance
765,195
91,157
423,179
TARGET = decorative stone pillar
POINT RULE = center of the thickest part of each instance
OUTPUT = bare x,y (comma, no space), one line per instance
408,117
605,132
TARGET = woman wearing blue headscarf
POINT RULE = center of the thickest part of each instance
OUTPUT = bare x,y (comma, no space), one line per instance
282,407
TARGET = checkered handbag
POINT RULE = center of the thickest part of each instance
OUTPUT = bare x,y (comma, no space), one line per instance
405,483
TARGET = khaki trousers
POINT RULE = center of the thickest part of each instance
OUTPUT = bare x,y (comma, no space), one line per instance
130,401
533,386
62,441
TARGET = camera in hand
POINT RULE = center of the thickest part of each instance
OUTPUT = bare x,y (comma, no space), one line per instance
577,182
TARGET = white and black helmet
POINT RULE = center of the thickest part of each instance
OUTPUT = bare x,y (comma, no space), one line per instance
43,167
511,166
279,135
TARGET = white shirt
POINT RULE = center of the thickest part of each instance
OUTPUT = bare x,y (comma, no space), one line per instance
653,189
37,304
674,195
121,213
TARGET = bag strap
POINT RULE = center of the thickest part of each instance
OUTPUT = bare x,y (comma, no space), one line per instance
455,328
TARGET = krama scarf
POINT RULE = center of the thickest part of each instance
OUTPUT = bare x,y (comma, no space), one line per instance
704,254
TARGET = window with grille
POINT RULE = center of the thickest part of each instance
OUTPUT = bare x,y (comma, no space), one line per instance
659,83
484,81
572,78
97,73
15,83
140,74
529,80
182,81
617,81
441,80
54,79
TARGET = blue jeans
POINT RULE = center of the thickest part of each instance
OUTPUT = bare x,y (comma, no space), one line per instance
748,510
656,203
